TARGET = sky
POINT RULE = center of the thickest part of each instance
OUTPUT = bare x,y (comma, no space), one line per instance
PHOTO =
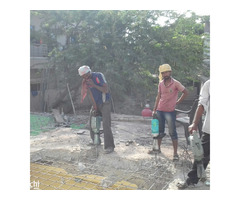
162,20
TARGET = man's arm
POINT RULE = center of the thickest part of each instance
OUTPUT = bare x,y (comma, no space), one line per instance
203,104
183,96
103,88
93,101
156,103
197,117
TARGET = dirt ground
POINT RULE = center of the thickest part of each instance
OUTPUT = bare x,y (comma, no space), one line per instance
71,149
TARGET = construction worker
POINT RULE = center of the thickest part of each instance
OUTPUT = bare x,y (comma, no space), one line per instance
165,104
203,105
96,84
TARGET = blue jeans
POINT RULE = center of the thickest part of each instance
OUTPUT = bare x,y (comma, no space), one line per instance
170,117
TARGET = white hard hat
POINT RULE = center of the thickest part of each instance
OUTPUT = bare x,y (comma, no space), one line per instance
84,70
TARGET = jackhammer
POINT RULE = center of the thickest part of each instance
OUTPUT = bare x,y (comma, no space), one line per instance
95,124
155,132
197,149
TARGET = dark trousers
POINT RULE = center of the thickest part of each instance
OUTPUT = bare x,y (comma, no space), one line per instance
105,109
192,175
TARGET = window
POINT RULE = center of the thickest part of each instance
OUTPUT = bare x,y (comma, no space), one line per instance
35,88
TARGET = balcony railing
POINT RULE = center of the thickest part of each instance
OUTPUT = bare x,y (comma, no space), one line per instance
38,50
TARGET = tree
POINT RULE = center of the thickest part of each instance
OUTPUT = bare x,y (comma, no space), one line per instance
127,46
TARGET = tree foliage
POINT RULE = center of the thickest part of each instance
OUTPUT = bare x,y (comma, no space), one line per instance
127,46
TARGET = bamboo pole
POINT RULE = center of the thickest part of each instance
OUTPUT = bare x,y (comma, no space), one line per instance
71,100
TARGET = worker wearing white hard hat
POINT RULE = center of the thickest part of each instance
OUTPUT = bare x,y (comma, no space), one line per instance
83,70
96,84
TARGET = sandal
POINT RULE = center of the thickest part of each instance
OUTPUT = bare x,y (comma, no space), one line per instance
183,185
175,157
108,150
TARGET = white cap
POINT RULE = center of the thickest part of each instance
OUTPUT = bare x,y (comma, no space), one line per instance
84,70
